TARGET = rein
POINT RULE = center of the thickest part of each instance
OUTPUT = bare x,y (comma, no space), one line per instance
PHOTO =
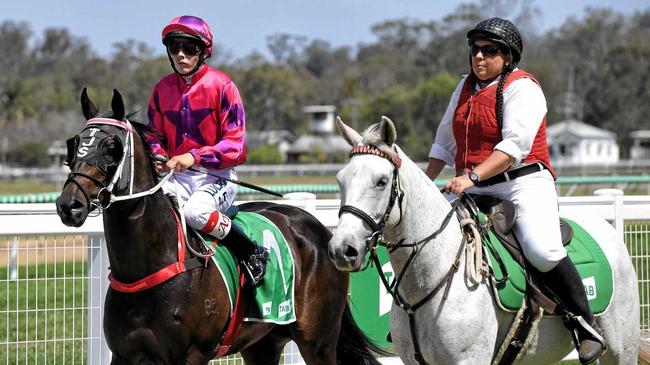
371,243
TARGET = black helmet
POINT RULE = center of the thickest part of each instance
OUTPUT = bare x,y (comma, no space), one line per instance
500,31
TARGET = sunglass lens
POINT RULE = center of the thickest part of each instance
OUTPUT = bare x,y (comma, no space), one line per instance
488,51
189,49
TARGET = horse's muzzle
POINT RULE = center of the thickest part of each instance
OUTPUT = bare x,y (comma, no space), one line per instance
344,256
71,210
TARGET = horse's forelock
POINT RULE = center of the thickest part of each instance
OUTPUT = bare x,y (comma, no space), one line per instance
372,136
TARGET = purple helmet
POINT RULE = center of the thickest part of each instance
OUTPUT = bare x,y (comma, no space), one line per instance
190,27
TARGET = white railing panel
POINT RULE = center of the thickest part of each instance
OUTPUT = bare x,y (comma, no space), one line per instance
33,235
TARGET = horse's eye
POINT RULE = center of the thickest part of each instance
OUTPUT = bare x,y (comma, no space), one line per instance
382,182
110,151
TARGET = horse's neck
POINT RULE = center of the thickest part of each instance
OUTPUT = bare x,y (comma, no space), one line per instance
423,212
140,236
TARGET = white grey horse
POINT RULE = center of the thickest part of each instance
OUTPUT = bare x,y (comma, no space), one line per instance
467,327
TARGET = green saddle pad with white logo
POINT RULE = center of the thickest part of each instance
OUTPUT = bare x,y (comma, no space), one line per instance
274,299
584,251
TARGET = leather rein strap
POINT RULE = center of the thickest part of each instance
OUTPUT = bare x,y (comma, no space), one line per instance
166,272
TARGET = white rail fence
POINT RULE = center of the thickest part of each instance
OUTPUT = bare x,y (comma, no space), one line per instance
53,277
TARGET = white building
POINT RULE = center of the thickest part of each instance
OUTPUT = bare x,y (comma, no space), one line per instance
322,144
280,138
640,149
572,142
321,118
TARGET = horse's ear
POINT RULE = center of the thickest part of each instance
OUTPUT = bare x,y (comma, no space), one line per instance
88,108
388,131
350,135
117,104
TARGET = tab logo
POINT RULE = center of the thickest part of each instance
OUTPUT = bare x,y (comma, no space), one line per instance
590,287
284,308
385,300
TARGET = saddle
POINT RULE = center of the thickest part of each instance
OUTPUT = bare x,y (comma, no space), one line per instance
501,215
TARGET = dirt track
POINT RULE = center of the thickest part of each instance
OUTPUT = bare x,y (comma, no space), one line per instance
35,250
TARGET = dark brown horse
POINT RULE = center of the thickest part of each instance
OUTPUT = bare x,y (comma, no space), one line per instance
181,320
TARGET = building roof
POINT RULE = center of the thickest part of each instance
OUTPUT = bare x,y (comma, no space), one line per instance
319,109
256,139
329,143
579,129
640,134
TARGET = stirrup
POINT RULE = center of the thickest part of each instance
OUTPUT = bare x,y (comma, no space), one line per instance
255,266
594,337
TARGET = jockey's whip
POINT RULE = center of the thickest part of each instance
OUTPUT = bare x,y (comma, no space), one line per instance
238,182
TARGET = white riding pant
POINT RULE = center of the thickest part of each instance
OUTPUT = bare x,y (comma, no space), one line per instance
201,194
537,226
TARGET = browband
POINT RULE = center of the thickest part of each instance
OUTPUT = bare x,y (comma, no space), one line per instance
372,150
113,122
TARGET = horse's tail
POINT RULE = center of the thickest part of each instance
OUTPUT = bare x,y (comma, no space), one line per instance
644,351
354,347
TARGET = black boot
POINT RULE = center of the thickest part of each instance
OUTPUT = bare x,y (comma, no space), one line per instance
251,256
564,281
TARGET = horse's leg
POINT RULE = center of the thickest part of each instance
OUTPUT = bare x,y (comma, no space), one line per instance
316,331
266,351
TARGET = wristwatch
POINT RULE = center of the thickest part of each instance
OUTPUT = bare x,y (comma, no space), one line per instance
473,177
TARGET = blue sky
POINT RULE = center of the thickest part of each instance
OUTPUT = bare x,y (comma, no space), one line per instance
243,25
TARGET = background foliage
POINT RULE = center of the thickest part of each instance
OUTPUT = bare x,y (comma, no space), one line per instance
407,73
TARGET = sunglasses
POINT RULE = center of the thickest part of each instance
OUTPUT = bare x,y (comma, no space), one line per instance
189,48
490,50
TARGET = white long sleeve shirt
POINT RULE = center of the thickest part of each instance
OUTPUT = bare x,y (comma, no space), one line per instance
524,108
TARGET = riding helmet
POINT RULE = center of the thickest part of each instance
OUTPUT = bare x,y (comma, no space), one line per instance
500,31
189,26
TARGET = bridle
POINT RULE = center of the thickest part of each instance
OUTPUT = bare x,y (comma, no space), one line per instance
105,196
396,195
375,239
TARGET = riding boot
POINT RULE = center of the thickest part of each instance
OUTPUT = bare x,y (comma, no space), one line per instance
251,256
565,282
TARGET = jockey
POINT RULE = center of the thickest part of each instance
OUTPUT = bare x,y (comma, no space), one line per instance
200,120
494,133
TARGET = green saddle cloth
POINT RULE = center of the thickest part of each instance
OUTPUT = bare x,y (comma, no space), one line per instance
274,299
584,251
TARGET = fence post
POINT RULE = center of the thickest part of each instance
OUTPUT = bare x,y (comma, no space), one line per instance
98,352
307,201
13,260
617,200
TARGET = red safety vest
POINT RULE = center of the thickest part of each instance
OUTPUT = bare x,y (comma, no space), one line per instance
475,127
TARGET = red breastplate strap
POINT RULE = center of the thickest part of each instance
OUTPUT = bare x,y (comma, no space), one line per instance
163,274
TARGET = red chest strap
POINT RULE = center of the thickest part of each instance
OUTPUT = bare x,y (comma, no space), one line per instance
163,274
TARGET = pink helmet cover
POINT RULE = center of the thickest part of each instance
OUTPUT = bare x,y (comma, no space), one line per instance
191,25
